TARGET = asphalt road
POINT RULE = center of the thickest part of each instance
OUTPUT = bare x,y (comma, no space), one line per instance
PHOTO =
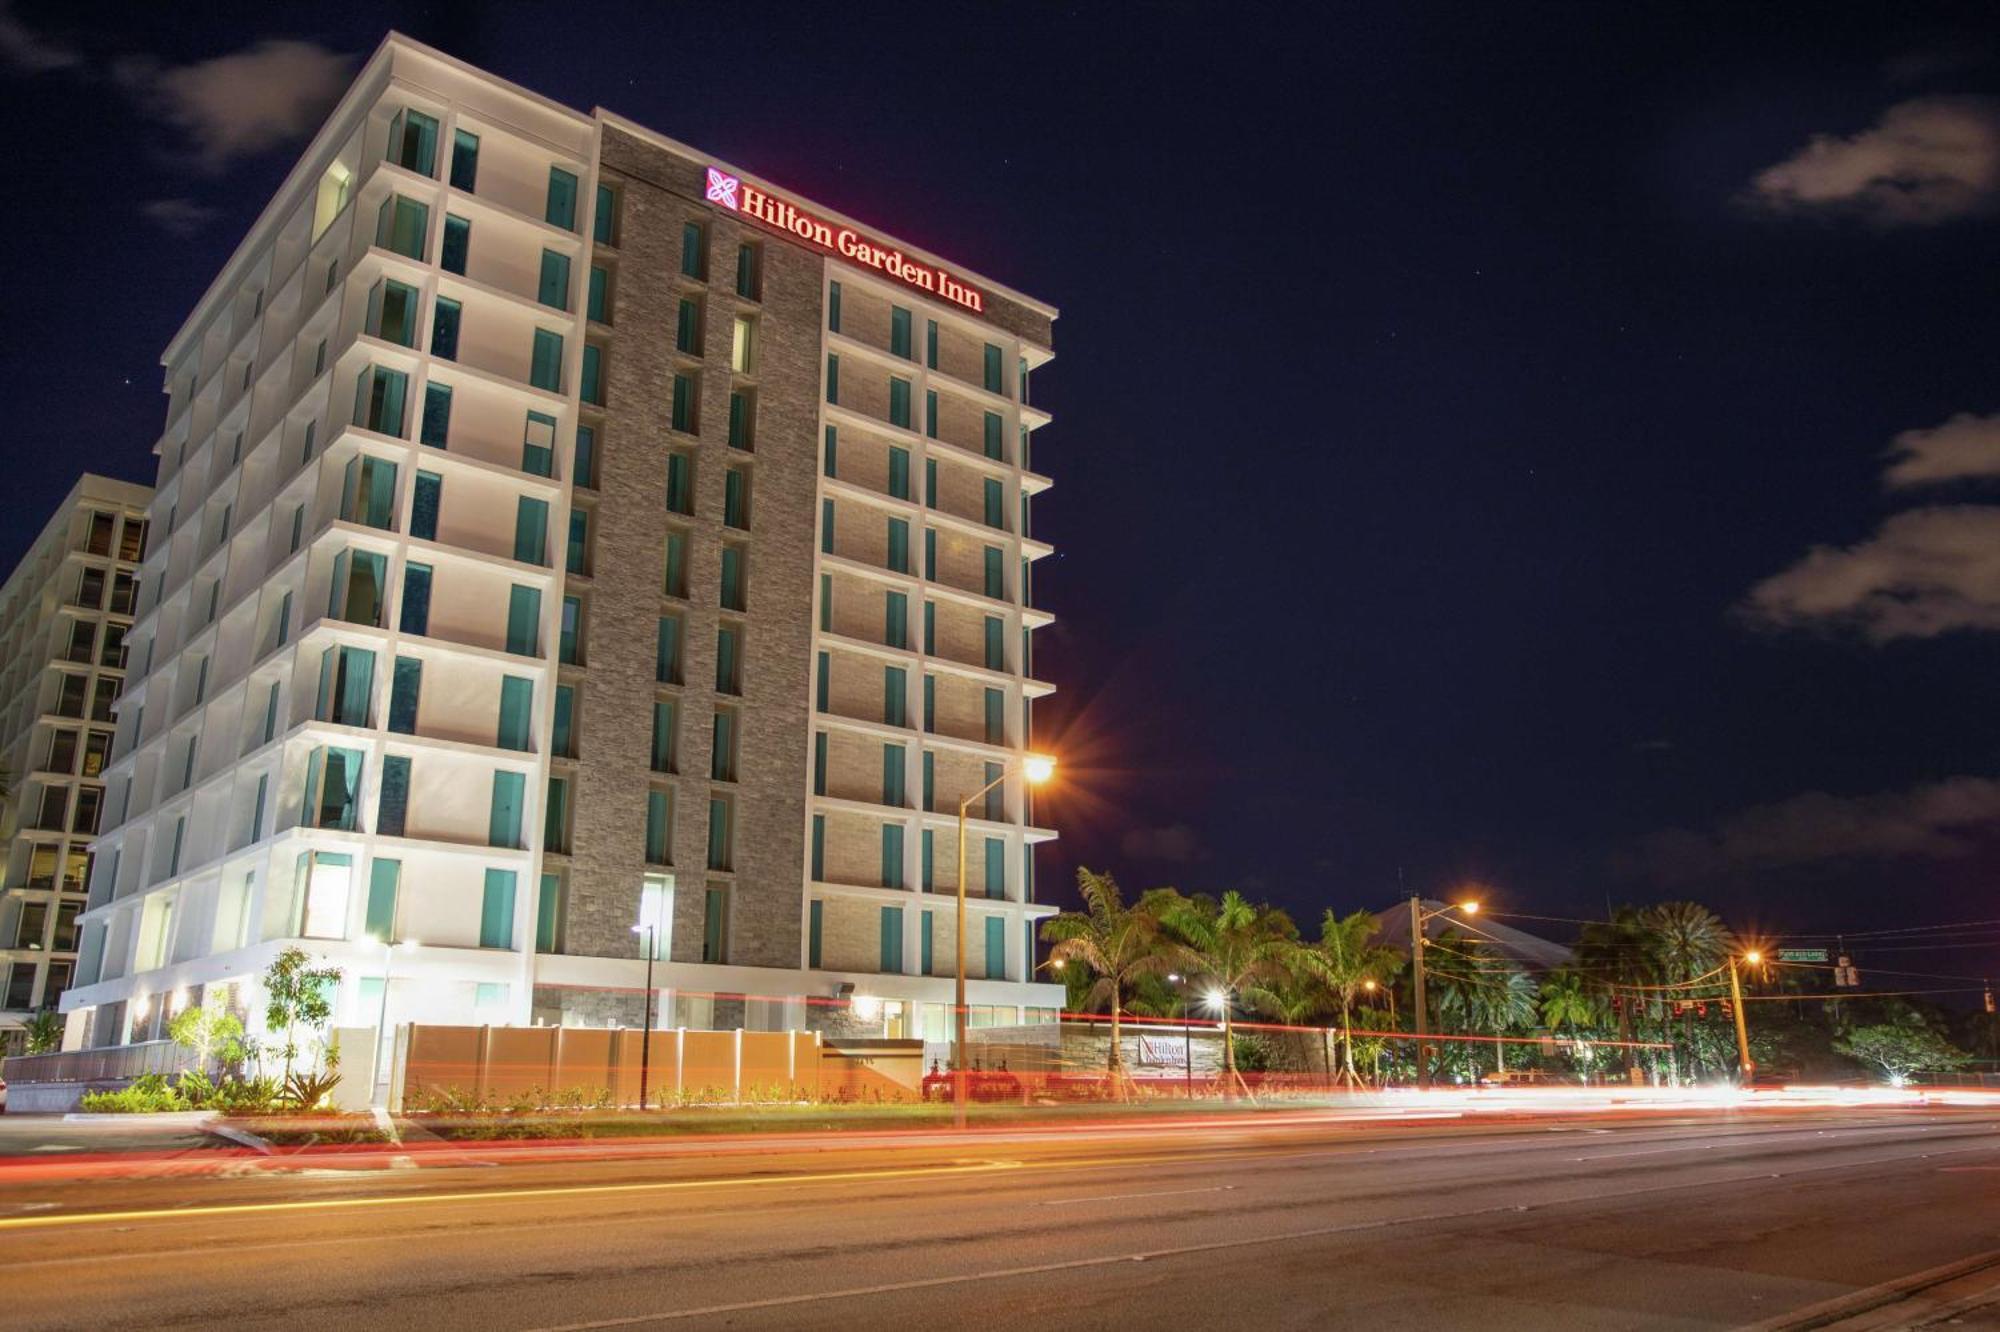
1670,1221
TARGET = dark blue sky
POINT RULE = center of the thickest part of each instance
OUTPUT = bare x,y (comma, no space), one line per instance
1425,397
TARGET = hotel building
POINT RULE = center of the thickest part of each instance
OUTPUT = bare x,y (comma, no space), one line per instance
559,532
64,615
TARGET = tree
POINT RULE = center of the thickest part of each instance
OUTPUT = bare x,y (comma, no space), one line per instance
1568,1005
1119,944
44,1032
1239,949
1618,957
1905,1045
296,994
211,1031
1688,943
1345,960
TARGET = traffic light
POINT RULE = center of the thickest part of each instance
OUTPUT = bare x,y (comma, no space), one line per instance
1989,1000
1845,976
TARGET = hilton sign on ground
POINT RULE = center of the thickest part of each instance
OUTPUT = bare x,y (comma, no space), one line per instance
849,244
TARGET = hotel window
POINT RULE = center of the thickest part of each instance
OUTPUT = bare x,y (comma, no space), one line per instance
686,416
899,545
996,796
549,914
586,457
996,379
892,917
722,754
346,684
562,729
895,696
105,693
830,462
402,225
424,504
604,217
833,307
996,947
996,573
392,803
380,919
503,823
721,835
996,643
927,878
97,537
899,402
538,445
996,504
333,788
569,646
667,658
676,584
413,142
592,388
680,482
132,539
444,329
659,834
406,683
931,413
524,621
457,246
435,428
416,614
687,327
666,735
728,659
896,620
996,717
736,498
899,332
930,343
464,160
819,759
496,910
826,603
895,787
833,379
545,364
749,272
992,437
392,313
822,679
554,289
325,878
561,209
694,251
531,530
555,817
743,345
733,561
930,483
818,867
599,307
576,551
899,472
742,418
358,587
715,921
89,801
517,712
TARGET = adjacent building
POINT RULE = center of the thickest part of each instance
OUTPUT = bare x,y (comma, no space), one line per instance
567,544
64,615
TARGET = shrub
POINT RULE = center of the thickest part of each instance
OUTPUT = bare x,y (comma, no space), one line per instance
148,1094
304,1091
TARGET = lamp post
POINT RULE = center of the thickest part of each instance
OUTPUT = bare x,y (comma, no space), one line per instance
382,1053
646,1025
1180,983
1417,944
1746,1066
1037,768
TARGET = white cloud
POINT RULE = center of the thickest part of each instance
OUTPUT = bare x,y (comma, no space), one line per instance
1963,448
1926,572
28,52
1939,821
1177,842
1929,160
236,105
177,217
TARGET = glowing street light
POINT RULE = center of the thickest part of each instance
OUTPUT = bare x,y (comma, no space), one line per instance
1036,768
1746,1067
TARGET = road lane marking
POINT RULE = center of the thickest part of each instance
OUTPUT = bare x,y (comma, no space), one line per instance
1183,1251
1158,1193
483,1195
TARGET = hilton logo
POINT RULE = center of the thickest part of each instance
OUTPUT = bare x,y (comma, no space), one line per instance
780,215
722,188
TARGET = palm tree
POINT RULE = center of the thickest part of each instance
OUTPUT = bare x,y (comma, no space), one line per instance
1688,943
1238,947
1481,989
1119,944
1618,956
1346,960
1294,996
1568,1003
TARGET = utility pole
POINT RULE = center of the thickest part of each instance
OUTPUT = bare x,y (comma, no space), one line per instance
1422,1009
646,1030
1746,1067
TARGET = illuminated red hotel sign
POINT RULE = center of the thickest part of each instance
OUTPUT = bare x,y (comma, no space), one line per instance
789,219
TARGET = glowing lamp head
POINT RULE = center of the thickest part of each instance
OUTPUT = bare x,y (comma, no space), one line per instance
1469,908
867,1007
1369,985
1058,964
1753,957
1038,768
1216,1000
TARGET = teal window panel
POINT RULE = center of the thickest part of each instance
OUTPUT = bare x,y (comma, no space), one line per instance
930,628
694,251
996,504
517,713
592,387
436,426
826,603
996,573
819,762
720,835
831,463
570,643
892,855
659,828
464,160
894,791
667,651
445,318
833,307
416,613
899,331
510,796
676,581
600,286
896,620
995,379
899,472
815,931
586,457
555,816
996,947
892,940
576,551
715,926
722,749
996,643
257,810
996,867
560,210
457,248
826,527
733,559
402,226
899,402
379,402
531,530
383,876
604,219
992,443
562,731
996,717
684,403
392,312
666,735
996,797
553,289
728,660
538,445
413,138
680,483
333,788
747,285
930,553
931,413
930,343
833,379
741,406
822,681
899,545
406,683
736,498
895,701
927,869
930,706
926,944
549,913
496,911
819,849
524,621
545,363
687,327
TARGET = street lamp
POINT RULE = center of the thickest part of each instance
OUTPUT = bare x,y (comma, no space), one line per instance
382,1054
1746,1067
646,1028
1417,918
1036,768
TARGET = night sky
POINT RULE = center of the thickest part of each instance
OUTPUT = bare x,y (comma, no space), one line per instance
1434,385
